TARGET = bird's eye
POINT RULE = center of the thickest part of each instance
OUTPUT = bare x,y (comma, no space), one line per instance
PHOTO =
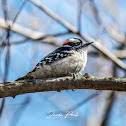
78,43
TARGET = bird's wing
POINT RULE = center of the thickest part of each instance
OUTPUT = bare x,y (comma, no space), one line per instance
53,56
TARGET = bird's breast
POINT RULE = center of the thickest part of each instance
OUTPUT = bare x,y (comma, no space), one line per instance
62,67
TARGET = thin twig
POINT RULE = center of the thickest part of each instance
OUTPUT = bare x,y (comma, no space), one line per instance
84,101
19,112
111,96
54,16
110,103
97,45
2,106
121,38
7,42
19,11
53,35
5,10
79,15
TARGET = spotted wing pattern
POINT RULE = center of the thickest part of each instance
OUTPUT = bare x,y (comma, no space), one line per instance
56,55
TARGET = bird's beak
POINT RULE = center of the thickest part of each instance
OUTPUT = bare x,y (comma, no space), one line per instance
87,44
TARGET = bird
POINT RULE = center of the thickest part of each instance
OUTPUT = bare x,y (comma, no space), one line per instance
68,60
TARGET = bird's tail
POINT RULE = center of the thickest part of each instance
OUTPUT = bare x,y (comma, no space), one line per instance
27,76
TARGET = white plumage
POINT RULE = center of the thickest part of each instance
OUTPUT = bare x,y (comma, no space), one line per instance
71,58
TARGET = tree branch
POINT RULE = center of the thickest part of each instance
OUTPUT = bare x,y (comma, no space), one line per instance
120,37
21,30
63,83
54,16
35,35
71,28
120,53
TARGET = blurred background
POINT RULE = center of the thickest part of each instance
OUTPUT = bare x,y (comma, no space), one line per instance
29,29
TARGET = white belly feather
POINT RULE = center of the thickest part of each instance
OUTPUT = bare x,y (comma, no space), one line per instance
71,64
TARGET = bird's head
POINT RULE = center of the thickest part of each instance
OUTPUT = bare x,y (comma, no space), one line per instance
76,43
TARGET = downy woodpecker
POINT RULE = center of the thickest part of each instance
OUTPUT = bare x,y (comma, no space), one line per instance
69,59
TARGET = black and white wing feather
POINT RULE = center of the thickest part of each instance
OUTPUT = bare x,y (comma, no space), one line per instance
56,55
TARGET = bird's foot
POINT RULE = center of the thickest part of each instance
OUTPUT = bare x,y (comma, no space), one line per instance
73,75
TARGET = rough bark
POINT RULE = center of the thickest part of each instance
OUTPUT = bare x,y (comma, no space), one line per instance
63,83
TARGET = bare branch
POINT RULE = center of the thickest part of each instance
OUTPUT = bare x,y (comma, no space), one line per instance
84,101
120,53
53,35
37,35
95,11
19,11
63,83
110,103
30,34
54,16
7,54
112,31
7,40
97,45
79,15
116,35
106,52
19,111
2,106
5,10
21,30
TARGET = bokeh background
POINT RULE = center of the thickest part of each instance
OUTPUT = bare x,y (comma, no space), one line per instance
40,27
